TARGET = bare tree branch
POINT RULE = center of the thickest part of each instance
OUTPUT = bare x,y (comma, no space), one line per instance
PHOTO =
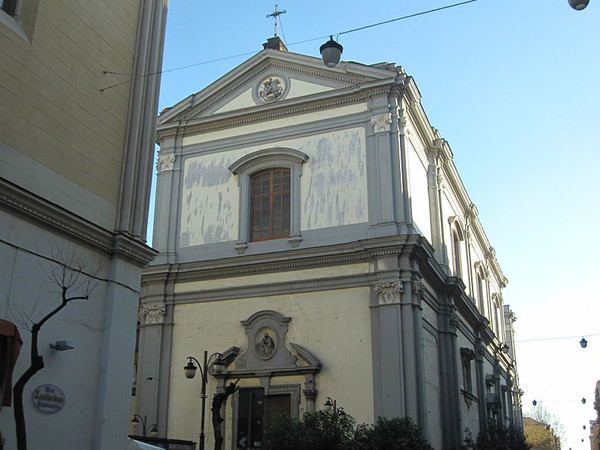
74,284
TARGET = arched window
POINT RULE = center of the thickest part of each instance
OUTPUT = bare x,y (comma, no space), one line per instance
480,288
269,182
270,204
498,319
456,253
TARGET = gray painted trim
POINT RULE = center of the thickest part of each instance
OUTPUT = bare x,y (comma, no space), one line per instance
58,220
19,169
266,138
136,176
292,259
323,237
268,112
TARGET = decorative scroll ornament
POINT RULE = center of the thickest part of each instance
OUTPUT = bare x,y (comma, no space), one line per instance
381,124
154,313
388,292
165,163
271,89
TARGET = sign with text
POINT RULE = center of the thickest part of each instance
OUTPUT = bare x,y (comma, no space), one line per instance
48,399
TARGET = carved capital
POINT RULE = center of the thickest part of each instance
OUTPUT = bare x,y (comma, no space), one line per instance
165,163
454,322
417,289
153,313
388,292
381,124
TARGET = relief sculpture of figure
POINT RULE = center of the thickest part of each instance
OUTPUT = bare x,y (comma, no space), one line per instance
266,347
215,408
272,89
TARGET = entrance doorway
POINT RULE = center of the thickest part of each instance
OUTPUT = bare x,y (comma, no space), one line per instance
255,412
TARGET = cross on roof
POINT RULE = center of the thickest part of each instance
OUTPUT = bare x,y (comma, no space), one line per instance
275,15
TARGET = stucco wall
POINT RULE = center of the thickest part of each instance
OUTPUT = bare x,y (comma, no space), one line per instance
53,110
29,257
419,195
332,187
320,321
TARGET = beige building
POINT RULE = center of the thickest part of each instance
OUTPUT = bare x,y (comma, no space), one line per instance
314,231
77,135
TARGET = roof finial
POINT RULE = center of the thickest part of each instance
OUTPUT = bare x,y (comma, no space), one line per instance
275,15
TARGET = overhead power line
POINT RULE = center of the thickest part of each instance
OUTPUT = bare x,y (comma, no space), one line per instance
385,22
557,338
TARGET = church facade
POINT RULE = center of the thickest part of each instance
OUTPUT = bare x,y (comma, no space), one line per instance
314,232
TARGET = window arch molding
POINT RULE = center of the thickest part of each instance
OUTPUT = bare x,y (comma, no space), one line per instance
457,237
260,160
480,287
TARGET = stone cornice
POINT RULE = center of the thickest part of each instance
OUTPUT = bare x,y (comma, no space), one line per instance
296,259
270,112
266,65
56,219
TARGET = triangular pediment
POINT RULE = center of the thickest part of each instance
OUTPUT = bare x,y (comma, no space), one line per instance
272,78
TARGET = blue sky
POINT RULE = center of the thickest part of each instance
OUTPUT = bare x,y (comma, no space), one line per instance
512,85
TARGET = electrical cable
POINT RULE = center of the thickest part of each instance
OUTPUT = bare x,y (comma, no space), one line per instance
557,338
385,22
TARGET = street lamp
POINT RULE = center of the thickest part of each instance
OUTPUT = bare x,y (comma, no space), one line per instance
331,52
579,4
583,342
152,429
190,372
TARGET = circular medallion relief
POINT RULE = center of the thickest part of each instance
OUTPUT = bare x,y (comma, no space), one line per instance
265,343
271,88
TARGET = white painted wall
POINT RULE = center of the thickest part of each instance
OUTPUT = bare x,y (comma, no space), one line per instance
333,187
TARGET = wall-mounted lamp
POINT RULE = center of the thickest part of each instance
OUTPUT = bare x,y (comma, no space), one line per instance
579,4
331,52
583,342
505,348
61,346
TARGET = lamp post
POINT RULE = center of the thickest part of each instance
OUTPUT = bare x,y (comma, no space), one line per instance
329,404
190,372
145,429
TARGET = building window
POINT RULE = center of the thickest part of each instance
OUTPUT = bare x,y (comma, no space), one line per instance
9,6
498,323
467,355
255,412
269,183
480,288
270,204
456,253
457,238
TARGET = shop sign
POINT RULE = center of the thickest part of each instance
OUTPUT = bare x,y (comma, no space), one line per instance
48,399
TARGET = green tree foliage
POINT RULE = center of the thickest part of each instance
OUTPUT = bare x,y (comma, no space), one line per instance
501,438
392,434
323,430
